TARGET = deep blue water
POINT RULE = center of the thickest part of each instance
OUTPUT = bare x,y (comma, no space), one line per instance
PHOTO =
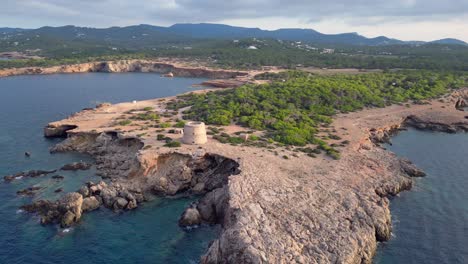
147,235
431,221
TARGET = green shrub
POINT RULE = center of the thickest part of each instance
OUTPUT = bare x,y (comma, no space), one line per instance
164,125
124,122
173,144
180,124
151,116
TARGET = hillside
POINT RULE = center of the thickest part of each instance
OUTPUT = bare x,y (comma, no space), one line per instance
144,36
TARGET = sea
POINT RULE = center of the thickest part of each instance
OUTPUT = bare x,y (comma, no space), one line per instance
149,234
430,222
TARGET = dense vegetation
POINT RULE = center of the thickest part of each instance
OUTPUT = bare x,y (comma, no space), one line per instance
229,54
291,110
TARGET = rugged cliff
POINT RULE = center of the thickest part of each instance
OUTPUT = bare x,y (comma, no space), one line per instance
160,67
273,210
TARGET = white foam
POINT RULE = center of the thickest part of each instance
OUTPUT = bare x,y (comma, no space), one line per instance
19,178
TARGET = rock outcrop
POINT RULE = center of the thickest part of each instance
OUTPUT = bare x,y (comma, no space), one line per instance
59,131
26,174
461,104
299,210
129,66
65,211
76,166
423,124
30,191
190,217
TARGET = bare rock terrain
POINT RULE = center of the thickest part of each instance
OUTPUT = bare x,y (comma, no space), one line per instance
273,210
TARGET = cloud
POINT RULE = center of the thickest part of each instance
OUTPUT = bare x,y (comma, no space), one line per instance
103,13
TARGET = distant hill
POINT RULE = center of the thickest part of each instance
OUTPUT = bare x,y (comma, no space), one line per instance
10,30
294,34
449,41
148,36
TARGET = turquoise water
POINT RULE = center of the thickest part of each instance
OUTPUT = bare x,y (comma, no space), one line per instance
431,221
147,235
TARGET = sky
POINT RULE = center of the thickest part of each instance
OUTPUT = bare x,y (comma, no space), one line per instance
401,19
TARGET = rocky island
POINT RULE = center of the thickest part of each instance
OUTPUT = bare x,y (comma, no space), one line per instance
275,205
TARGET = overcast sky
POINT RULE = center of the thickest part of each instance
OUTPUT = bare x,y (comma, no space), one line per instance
402,19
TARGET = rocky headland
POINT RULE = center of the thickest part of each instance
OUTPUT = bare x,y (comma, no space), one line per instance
272,210
220,78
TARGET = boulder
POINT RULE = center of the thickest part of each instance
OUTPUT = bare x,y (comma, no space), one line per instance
68,219
71,202
139,197
190,217
198,188
120,203
90,204
108,196
132,205
84,191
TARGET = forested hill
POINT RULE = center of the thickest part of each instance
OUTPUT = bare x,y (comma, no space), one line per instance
141,35
228,47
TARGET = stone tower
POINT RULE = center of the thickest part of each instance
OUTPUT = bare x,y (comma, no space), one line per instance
194,133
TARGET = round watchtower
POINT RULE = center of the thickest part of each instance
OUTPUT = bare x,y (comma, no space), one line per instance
194,133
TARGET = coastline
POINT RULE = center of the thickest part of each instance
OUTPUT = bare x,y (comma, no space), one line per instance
219,78
298,210
298,206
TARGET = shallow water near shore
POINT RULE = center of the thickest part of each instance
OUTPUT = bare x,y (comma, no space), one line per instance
430,223
147,235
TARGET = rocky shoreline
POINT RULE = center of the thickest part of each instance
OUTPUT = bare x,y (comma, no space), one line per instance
220,78
273,210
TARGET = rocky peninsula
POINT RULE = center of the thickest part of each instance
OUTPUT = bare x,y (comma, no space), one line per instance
276,206
272,209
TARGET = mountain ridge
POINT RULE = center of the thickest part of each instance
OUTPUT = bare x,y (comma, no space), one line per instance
185,31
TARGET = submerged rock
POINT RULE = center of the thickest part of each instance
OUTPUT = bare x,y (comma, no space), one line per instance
25,174
76,166
58,177
30,191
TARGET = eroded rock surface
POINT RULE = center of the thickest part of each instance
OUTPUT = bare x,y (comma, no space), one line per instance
65,211
300,210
